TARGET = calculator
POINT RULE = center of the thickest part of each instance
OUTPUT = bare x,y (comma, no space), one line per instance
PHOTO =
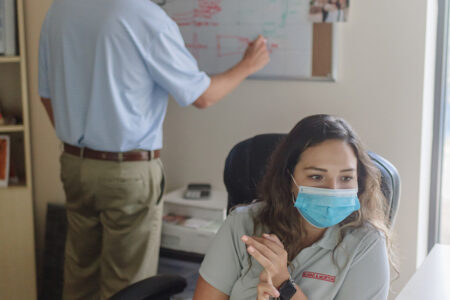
197,191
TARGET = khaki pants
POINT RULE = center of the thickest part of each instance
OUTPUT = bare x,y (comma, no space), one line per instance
114,224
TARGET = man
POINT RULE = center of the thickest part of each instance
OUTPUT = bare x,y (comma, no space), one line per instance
106,68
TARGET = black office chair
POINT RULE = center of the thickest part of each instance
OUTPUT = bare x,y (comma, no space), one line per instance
159,287
246,162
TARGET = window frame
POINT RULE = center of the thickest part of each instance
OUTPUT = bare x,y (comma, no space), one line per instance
440,94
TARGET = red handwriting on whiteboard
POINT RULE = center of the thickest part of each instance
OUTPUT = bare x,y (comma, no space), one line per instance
200,16
195,46
232,45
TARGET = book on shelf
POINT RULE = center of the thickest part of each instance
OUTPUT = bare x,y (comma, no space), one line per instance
4,160
13,176
8,36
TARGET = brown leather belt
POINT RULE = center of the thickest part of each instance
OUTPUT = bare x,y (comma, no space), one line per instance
134,155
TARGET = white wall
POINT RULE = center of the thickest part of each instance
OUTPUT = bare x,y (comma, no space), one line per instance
380,91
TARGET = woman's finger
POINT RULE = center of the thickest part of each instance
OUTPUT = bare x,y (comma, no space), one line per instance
273,238
273,242
267,247
266,290
263,249
263,260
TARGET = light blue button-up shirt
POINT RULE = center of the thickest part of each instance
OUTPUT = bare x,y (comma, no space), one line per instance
108,67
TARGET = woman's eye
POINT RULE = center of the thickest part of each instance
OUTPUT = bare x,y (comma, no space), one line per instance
316,177
347,178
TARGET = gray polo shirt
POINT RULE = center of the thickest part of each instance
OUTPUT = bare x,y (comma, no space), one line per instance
362,258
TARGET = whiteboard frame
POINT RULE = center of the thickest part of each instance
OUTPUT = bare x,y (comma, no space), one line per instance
331,78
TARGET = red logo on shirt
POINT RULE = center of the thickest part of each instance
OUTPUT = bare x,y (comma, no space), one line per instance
319,276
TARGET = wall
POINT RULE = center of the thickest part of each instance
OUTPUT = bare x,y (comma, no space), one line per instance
380,91
45,147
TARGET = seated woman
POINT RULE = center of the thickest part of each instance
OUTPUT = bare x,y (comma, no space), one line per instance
319,229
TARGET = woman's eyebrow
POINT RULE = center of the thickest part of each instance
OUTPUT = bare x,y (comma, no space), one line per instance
325,170
315,169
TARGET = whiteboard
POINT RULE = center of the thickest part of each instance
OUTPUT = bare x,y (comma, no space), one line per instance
217,33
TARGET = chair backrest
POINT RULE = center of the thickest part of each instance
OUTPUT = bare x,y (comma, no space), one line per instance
247,160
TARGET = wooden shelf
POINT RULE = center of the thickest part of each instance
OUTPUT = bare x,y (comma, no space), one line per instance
9,59
14,186
11,128
14,192
17,247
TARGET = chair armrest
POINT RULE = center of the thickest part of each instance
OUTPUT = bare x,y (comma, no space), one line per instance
155,287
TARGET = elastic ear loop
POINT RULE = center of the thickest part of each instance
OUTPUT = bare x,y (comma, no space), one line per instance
293,198
298,187
292,176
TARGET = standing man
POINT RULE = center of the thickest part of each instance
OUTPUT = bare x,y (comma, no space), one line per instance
106,68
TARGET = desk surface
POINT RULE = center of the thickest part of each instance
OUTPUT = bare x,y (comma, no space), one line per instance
432,278
217,200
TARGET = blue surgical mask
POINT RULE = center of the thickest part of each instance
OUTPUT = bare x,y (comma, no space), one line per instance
326,207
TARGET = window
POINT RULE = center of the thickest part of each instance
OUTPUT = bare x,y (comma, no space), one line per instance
439,221
444,210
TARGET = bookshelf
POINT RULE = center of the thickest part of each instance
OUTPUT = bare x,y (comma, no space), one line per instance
17,247
9,59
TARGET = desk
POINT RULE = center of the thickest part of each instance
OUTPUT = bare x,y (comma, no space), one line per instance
183,248
432,278
205,217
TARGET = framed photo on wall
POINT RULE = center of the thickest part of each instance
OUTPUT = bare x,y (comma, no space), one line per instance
4,160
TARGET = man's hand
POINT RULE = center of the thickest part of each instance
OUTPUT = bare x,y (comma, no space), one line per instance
256,55
270,253
255,58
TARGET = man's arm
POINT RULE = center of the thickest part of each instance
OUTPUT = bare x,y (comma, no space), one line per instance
255,58
49,109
